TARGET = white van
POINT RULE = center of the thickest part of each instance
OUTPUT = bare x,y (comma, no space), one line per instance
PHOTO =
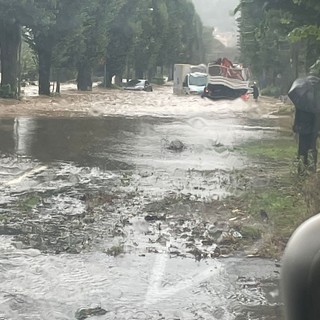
195,82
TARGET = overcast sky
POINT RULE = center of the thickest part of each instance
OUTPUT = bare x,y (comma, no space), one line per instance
216,13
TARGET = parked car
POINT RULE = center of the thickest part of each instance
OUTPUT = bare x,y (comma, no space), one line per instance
138,85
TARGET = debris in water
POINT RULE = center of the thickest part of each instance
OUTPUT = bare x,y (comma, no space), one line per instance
176,145
264,216
84,313
154,217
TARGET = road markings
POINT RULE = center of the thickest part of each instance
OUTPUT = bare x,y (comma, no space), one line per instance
157,292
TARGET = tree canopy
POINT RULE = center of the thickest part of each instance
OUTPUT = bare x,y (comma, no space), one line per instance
279,39
111,37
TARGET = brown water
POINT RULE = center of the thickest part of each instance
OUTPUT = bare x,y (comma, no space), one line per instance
74,188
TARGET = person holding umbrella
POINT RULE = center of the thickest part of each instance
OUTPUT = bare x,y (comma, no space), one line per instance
305,95
306,125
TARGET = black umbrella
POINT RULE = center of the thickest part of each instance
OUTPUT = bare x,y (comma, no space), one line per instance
305,94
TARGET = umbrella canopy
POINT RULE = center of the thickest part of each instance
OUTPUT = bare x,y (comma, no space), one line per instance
305,94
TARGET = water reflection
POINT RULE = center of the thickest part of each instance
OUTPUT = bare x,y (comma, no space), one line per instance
116,142
23,135
97,141
84,185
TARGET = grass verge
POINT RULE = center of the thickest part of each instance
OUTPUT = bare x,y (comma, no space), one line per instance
284,200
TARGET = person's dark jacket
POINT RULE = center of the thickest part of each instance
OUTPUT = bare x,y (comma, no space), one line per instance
306,122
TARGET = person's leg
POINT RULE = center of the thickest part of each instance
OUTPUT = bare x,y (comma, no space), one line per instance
303,148
314,158
314,152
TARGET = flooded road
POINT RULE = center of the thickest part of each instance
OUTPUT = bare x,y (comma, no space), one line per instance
120,209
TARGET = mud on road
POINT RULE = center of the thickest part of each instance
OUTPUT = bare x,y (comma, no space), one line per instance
130,200
174,195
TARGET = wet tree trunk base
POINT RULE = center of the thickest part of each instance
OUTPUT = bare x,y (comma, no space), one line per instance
107,79
44,71
84,80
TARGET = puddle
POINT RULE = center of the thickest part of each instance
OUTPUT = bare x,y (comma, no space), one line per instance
112,184
37,286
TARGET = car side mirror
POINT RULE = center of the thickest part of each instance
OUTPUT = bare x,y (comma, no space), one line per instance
300,274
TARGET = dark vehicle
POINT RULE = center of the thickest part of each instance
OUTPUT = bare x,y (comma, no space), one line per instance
139,85
226,80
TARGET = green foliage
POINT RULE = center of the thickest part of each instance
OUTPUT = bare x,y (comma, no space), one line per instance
284,206
185,32
123,34
26,204
288,198
305,32
158,80
94,33
279,39
250,232
152,33
271,91
282,150
314,4
29,64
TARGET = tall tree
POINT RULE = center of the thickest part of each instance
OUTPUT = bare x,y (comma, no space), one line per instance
46,34
97,18
144,45
10,39
279,39
123,33
13,15
82,34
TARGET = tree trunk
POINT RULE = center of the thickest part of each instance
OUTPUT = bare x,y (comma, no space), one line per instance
44,55
107,77
58,81
171,72
118,79
58,86
84,81
110,80
10,38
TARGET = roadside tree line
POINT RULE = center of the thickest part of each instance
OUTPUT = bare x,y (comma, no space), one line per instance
109,37
279,40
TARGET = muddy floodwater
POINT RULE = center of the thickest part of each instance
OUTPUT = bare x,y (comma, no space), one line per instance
116,209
